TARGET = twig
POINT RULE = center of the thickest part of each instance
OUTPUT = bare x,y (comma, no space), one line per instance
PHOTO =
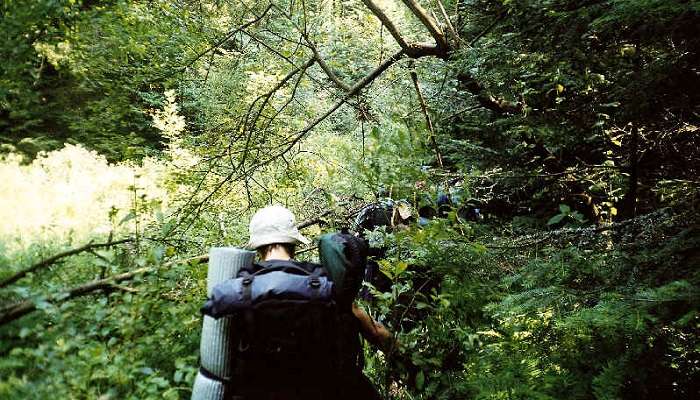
428,121
353,91
125,288
306,250
450,27
226,38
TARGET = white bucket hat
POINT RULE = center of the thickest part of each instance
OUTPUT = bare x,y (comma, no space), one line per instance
274,224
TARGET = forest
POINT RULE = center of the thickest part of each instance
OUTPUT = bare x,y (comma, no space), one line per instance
540,160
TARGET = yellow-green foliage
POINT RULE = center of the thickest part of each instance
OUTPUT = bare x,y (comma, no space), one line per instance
68,194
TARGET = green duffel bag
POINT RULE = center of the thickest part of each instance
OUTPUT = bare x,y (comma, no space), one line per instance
345,259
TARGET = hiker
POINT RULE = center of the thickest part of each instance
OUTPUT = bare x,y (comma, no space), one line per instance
274,235
323,358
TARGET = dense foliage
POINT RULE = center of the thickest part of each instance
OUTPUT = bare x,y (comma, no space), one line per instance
559,137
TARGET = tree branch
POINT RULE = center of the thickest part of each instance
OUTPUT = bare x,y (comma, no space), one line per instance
55,258
25,307
329,72
450,27
428,22
355,89
313,221
18,310
248,127
226,38
485,99
428,121
384,19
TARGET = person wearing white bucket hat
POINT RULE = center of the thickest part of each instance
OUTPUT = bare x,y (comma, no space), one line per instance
274,235
274,224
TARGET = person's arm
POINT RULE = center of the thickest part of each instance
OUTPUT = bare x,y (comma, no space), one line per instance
373,331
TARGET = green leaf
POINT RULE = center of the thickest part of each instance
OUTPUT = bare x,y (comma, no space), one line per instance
556,219
400,268
479,248
131,215
24,332
564,208
420,380
385,268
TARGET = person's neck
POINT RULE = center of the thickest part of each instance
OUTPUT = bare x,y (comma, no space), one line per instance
277,253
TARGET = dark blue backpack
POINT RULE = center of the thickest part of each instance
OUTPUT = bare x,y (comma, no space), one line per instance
286,328
266,282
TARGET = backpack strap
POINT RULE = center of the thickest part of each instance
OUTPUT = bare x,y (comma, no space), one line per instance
210,375
247,285
248,317
315,283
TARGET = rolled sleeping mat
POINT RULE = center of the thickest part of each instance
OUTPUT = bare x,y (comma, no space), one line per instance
214,348
207,389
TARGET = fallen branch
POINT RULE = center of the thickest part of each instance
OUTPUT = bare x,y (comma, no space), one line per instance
22,308
18,310
55,258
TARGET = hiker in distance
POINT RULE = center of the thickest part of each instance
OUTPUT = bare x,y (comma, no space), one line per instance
296,332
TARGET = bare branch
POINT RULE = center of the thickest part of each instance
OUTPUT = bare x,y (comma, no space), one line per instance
226,38
331,75
355,89
428,121
57,257
18,310
303,31
450,27
428,22
248,127
416,51
292,97
384,19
